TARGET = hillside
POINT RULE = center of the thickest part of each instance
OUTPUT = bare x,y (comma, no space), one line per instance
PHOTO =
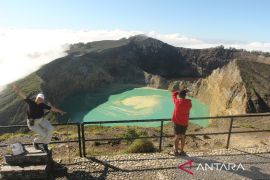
137,61
256,77
238,88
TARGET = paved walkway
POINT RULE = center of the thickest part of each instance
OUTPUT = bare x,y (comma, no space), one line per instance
222,164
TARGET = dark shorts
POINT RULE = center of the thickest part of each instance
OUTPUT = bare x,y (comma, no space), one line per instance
178,129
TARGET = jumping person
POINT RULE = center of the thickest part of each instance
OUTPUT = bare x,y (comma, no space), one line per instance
180,119
35,118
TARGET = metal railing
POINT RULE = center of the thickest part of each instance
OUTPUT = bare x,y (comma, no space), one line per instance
161,136
81,130
78,140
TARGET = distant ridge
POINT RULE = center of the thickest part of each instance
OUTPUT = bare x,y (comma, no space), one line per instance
102,64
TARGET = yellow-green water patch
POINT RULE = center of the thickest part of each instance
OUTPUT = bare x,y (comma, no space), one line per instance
141,103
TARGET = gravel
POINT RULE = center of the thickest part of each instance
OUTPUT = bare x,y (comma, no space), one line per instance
256,164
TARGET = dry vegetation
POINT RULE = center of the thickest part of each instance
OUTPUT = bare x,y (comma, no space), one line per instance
66,152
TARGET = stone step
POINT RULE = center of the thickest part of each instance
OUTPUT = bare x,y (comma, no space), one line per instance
28,172
32,157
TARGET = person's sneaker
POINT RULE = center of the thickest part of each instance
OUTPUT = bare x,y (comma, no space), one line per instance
173,153
182,153
36,146
45,148
176,153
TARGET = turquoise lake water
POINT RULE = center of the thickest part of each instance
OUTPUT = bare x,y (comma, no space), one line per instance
142,103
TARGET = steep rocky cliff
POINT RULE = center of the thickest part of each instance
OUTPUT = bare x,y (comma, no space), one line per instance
223,91
240,87
256,77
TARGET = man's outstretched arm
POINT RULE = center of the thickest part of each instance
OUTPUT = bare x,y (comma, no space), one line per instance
174,96
58,110
18,91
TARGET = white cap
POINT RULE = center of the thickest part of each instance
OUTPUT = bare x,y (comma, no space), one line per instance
40,95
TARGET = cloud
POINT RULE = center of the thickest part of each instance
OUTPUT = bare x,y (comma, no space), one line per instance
23,51
188,42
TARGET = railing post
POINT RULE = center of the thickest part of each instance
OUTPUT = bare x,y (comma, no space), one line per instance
229,135
79,139
83,140
161,134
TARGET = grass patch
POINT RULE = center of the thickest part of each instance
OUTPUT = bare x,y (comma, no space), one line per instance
132,133
13,135
141,146
247,126
95,129
66,134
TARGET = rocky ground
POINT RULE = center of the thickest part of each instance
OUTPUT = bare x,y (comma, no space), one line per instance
163,166
110,160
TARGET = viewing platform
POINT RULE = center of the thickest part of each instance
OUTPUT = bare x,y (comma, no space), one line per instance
162,166
34,164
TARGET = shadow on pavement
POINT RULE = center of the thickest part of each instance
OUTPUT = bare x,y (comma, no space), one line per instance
252,172
61,171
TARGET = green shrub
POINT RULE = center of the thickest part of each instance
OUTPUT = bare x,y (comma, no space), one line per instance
11,135
114,142
130,133
141,146
143,133
97,143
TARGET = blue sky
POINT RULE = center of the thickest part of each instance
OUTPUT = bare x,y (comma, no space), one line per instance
228,20
40,31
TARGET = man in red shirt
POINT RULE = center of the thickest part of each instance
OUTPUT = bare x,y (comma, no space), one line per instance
180,118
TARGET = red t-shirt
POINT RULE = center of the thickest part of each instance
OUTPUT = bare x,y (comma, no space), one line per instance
181,110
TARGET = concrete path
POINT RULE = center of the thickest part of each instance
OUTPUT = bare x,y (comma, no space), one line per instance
219,164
